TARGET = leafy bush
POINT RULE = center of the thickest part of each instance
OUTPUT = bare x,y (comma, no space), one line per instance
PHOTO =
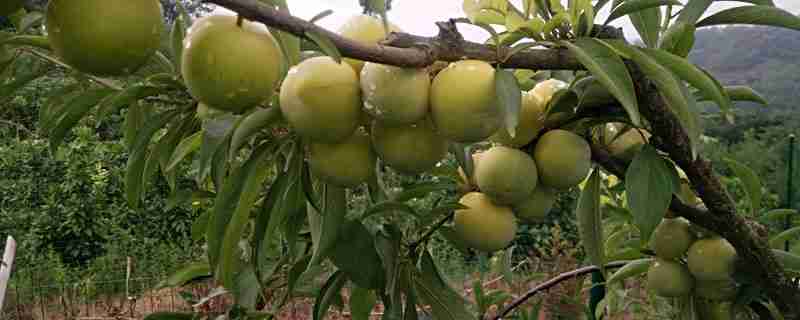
73,201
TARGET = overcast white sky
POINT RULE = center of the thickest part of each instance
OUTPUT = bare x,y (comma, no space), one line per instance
418,16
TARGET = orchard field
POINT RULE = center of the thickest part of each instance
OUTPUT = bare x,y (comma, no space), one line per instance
535,159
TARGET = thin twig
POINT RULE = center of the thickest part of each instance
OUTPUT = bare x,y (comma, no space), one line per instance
431,231
552,283
102,81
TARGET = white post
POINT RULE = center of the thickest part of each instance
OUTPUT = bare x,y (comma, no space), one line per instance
6,266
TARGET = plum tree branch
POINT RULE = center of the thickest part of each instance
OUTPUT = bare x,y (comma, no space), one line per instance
669,136
406,50
552,283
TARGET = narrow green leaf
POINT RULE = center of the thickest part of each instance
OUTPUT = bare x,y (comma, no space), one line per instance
55,104
756,2
445,303
600,4
788,260
463,155
648,24
215,132
136,160
388,206
180,128
558,20
177,34
184,148
632,6
609,69
674,92
590,220
74,112
331,220
423,189
252,124
410,311
388,243
126,97
750,182
631,269
200,225
326,45
320,16
194,271
296,271
237,188
753,15
450,235
354,254
485,11
509,96
563,101
308,188
328,294
251,174
362,301
650,183
782,237
693,10
40,42
780,214
738,93
247,289
693,75
679,38
282,186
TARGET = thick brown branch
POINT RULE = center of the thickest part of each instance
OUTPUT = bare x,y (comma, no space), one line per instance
552,283
755,256
407,50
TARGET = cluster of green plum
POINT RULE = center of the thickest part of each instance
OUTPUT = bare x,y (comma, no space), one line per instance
686,265
351,113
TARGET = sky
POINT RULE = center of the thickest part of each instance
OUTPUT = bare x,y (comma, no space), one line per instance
418,16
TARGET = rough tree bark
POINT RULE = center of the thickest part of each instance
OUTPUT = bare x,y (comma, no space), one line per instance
413,51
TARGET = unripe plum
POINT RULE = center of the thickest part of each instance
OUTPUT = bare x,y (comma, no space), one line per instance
669,279
320,99
409,149
345,164
104,37
364,29
485,226
563,158
536,207
463,103
712,259
394,95
507,176
230,67
531,121
671,238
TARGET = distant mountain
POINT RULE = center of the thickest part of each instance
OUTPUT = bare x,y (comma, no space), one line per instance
767,59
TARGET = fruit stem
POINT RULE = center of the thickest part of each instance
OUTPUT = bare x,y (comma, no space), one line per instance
239,20
430,232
